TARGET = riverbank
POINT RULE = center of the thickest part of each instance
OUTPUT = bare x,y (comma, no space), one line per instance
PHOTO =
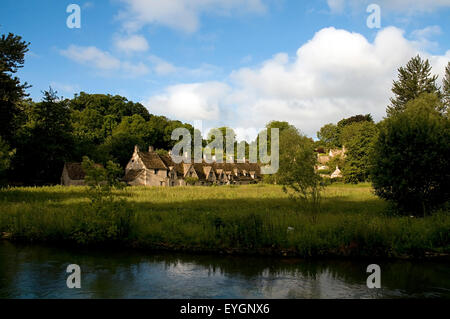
254,219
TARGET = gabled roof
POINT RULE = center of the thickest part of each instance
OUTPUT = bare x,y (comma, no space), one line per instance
75,171
198,167
152,160
132,174
207,170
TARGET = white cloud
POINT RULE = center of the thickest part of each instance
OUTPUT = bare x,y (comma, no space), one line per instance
404,6
334,75
103,61
91,56
133,43
181,14
163,68
196,101
336,6
422,37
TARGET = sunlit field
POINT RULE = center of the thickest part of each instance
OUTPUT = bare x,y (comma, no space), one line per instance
253,219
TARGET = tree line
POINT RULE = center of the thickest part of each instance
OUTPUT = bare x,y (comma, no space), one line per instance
36,138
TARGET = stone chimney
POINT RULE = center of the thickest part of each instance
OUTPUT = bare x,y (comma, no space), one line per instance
151,149
136,148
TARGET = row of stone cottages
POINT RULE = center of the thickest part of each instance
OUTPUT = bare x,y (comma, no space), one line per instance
153,169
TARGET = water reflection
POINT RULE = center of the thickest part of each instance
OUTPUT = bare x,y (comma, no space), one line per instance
39,272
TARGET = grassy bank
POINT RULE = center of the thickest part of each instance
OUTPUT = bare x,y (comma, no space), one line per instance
244,219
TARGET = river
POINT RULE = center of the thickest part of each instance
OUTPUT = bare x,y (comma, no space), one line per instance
37,271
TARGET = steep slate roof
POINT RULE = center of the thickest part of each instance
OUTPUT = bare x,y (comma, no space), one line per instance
199,170
75,171
169,162
132,174
152,160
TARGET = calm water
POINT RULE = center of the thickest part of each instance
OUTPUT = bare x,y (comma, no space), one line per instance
40,272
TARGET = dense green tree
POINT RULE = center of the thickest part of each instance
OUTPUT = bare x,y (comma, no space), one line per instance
329,135
280,125
411,157
413,80
446,87
354,119
296,171
6,154
132,130
358,139
44,141
12,54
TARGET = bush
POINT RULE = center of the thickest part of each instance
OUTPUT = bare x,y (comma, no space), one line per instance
104,222
107,219
191,180
410,156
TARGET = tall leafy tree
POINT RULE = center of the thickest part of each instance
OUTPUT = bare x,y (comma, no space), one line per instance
329,135
132,130
358,139
12,55
446,87
354,119
296,172
410,164
413,80
44,141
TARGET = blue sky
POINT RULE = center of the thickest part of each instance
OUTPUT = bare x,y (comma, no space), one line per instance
239,63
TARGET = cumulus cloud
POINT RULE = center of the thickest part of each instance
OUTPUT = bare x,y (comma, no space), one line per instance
133,43
334,75
181,14
195,101
91,56
103,61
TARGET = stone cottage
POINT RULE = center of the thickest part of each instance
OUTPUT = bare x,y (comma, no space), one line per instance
72,175
153,169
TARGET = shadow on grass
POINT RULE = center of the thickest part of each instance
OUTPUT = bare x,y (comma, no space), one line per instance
76,196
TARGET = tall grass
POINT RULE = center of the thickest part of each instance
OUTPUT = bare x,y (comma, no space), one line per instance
246,219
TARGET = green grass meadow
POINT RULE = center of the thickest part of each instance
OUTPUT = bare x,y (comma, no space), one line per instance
256,219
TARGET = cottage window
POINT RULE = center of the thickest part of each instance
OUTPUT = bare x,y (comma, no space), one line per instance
155,171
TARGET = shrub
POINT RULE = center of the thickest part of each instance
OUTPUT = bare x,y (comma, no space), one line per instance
191,180
411,158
